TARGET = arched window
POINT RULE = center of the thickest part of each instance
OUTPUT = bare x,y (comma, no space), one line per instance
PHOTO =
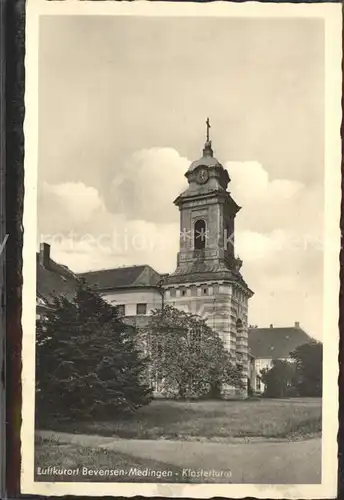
239,327
199,234
239,333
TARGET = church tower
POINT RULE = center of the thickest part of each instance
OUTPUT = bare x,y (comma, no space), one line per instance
207,280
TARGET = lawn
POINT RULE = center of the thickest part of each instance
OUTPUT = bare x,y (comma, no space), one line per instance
99,464
215,420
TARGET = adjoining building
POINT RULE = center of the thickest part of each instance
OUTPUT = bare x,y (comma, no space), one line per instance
134,290
268,344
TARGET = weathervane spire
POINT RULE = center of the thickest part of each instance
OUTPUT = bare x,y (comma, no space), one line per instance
208,128
207,151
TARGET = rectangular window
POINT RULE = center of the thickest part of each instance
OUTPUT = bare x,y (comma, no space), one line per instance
121,309
141,308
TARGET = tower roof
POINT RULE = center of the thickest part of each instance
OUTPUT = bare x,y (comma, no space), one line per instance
207,159
217,179
204,161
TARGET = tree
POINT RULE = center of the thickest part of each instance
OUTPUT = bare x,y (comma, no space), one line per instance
87,362
308,359
279,379
187,357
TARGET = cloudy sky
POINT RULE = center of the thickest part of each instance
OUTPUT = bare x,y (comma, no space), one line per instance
122,109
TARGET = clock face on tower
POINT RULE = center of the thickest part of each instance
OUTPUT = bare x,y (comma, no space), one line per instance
202,175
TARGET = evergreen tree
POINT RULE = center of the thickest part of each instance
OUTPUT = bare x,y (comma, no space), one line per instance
87,362
279,380
308,358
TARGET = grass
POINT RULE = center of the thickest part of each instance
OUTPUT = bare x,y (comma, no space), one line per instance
265,418
75,458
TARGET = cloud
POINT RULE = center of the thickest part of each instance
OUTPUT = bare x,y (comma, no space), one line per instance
286,278
70,203
84,235
251,182
126,243
255,247
280,239
147,185
276,203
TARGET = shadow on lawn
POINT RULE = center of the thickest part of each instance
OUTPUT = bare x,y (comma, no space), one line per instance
163,419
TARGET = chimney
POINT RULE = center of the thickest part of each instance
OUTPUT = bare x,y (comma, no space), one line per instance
297,324
44,255
271,326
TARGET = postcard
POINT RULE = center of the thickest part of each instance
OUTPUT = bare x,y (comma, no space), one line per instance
181,249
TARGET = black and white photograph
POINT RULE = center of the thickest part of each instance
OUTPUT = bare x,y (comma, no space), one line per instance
181,249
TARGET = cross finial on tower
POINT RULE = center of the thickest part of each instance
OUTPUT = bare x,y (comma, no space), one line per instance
207,151
208,128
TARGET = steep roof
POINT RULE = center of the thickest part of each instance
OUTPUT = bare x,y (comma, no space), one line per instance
274,342
205,161
54,280
122,277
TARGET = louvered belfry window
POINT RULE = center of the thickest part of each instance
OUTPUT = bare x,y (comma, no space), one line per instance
199,234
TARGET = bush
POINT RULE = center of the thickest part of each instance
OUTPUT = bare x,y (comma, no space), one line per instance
279,380
188,358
